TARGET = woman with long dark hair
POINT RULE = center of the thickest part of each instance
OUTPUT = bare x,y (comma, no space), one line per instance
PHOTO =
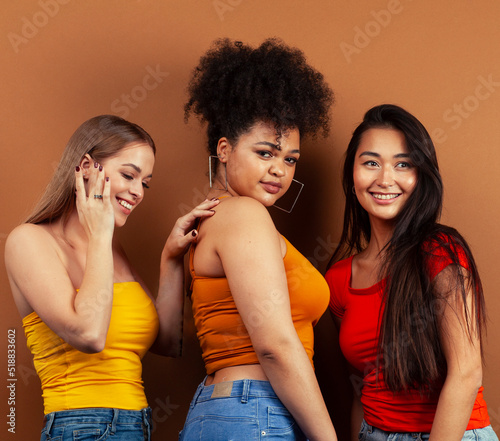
255,297
87,315
405,290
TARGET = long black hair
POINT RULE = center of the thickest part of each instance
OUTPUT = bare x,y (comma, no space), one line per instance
409,348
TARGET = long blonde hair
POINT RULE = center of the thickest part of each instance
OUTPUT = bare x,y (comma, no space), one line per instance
101,137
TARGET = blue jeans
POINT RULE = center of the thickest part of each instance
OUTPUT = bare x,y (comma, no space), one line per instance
370,433
240,410
97,424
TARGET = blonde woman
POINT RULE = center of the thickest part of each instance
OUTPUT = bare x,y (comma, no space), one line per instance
88,316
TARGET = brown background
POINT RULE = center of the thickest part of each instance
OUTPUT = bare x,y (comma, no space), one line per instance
66,61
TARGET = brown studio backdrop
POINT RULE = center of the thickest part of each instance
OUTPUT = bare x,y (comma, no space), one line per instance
65,61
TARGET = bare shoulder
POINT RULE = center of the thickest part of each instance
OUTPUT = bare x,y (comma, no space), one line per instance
26,238
30,246
241,219
24,230
30,256
242,223
237,222
241,211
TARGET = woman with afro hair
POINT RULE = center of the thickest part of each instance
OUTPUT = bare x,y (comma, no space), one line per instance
255,298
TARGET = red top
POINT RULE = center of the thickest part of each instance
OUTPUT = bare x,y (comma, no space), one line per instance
359,310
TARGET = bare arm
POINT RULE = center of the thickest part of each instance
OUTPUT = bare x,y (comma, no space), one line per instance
249,248
39,278
464,365
170,299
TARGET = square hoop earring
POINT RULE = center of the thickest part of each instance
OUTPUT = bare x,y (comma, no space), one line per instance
210,172
289,210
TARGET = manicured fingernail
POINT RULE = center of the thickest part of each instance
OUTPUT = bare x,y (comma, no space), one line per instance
214,199
107,178
95,164
213,211
77,168
194,233
100,168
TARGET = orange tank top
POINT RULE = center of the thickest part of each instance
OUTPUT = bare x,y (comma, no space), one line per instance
223,337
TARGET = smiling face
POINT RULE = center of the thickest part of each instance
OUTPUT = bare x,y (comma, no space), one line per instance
129,172
257,166
384,176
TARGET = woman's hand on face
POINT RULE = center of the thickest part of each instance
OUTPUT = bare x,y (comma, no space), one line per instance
183,234
95,211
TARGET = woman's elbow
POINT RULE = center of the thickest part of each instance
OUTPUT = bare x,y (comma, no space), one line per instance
93,347
167,347
91,343
85,337
470,377
474,374
476,377
276,351
168,351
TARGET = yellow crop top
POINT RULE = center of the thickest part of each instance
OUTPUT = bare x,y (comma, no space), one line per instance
111,378
223,337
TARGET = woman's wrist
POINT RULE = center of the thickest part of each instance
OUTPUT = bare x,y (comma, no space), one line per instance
170,263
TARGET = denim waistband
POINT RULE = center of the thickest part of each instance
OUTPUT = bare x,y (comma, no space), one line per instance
98,414
239,388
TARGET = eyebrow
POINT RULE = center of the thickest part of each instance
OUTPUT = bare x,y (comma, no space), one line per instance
275,146
377,155
136,168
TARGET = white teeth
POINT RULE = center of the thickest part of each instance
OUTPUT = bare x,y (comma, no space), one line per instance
385,196
125,204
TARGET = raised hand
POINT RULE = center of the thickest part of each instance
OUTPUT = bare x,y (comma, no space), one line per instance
183,234
170,299
95,211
